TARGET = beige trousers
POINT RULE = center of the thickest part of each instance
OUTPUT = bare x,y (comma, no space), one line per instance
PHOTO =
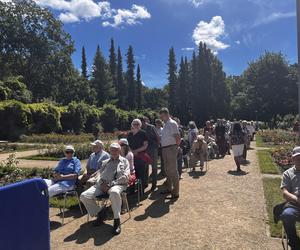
169,155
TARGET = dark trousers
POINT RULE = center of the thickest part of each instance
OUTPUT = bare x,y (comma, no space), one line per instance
245,152
141,171
179,161
289,218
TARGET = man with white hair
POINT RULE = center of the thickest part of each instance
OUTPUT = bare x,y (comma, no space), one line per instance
94,163
290,187
114,176
199,152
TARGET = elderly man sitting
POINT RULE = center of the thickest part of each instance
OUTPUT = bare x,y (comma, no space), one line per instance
114,176
65,174
290,186
94,163
199,152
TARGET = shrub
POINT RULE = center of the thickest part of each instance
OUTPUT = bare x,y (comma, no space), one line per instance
15,119
45,118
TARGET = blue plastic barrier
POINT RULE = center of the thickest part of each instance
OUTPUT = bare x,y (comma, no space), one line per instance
24,216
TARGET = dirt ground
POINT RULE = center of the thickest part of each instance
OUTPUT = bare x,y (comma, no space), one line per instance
216,210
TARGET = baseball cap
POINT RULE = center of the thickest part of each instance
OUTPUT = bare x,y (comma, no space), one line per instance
123,141
115,145
69,148
97,143
296,151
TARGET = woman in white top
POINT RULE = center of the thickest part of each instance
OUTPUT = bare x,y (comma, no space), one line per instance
125,152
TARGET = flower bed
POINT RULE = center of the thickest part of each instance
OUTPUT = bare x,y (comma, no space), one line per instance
282,156
277,137
11,173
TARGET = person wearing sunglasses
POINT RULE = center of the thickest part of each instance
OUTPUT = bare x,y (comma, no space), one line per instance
65,174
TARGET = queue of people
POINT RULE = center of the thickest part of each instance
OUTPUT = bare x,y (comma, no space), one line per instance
108,174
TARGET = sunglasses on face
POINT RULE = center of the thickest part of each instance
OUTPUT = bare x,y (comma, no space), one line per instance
69,152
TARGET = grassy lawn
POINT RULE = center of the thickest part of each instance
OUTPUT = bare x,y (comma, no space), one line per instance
273,197
266,163
40,158
260,143
70,202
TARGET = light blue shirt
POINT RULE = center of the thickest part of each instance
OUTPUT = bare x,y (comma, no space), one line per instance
95,161
66,167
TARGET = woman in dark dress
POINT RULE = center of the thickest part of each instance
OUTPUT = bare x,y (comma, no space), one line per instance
237,141
138,143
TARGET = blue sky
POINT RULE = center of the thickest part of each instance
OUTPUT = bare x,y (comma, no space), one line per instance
237,30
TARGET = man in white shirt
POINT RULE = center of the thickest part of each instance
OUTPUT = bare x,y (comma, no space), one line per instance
170,141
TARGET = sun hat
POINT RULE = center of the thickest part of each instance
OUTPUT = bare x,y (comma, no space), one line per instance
115,145
123,141
69,148
97,143
296,151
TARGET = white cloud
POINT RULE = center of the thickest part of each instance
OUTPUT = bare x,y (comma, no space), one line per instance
68,18
77,10
187,49
238,42
210,32
130,17
197,3
274,17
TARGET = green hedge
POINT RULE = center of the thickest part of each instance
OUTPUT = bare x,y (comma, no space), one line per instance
42,118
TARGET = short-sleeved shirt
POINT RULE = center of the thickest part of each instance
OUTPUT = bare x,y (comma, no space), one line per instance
95,161
66,167
169,131
291,181
137,141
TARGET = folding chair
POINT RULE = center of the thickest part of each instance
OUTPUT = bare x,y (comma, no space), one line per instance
277,211
104,199
64,195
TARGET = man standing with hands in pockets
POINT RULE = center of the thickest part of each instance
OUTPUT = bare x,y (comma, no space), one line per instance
170,141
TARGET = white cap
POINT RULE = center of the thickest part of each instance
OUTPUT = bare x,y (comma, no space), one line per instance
123,141
115,145
69,148
296,151
97,143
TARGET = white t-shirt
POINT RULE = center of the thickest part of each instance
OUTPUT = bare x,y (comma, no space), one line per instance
130,158
169,131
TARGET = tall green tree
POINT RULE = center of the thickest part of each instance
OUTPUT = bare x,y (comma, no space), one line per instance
42,56
101,80
130,80
122,91
83,64
183,91
113,64
172,80
139,88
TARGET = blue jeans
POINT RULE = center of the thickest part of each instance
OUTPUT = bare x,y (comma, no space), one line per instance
289,218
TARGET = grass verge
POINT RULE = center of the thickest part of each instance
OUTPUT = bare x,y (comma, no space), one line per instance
70,202
273,197
266,163
261,143
40,158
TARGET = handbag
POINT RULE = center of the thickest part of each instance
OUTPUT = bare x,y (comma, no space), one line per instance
145,157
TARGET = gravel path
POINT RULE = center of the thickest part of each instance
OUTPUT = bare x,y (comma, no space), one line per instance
218,210
20,154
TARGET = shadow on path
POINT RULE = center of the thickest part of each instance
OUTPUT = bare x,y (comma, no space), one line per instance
241,173
156,209
197,174
101,234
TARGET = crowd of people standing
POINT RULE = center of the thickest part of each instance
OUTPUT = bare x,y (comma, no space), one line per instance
111,173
